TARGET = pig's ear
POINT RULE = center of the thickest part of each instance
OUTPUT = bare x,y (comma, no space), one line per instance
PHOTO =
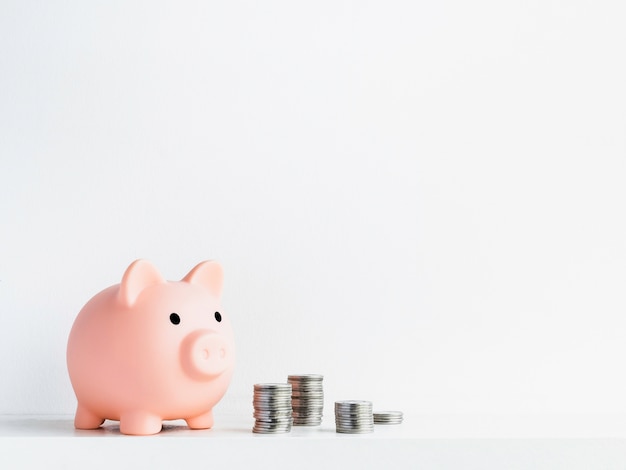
209,275
139,275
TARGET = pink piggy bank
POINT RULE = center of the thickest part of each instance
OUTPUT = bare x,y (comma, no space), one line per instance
148,350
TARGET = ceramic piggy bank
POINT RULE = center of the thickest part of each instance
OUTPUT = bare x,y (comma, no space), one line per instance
148,350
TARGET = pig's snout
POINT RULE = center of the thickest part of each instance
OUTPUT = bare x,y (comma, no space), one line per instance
204,354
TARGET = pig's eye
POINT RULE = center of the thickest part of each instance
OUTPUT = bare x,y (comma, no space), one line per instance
218,316
174,318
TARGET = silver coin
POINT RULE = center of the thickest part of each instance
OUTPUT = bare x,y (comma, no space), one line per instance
282,428
388,417
285,428
273,421
273,394
353,423
354,415
354,431
388,414
307,416
259,415
285,408
272,385
272,415
271,430
307,399
269,421
272,391
262,401
307,393
265,431
272,424
345,426
353,403
280,412
354,426
306,378
272,410
307,402
272,402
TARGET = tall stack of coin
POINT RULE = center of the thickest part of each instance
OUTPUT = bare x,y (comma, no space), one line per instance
354,416
272,408
307,399
388,417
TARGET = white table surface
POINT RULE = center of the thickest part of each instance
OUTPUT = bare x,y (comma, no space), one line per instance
422,441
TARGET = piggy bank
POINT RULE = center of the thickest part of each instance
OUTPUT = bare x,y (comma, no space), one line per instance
148,350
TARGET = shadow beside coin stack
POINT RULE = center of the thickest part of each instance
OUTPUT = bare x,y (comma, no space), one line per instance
272,408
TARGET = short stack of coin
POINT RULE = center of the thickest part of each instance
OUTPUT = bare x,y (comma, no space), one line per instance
354,416
272,408
388,417
307,399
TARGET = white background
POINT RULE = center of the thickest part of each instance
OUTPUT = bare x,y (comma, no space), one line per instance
423,201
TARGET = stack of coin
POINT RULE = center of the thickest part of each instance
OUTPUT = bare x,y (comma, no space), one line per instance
272,408
387,417
354,416
307,399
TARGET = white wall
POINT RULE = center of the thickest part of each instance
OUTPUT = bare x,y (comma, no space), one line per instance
424,201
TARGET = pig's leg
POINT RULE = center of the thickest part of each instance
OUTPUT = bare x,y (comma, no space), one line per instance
140,423
85,419
204,421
